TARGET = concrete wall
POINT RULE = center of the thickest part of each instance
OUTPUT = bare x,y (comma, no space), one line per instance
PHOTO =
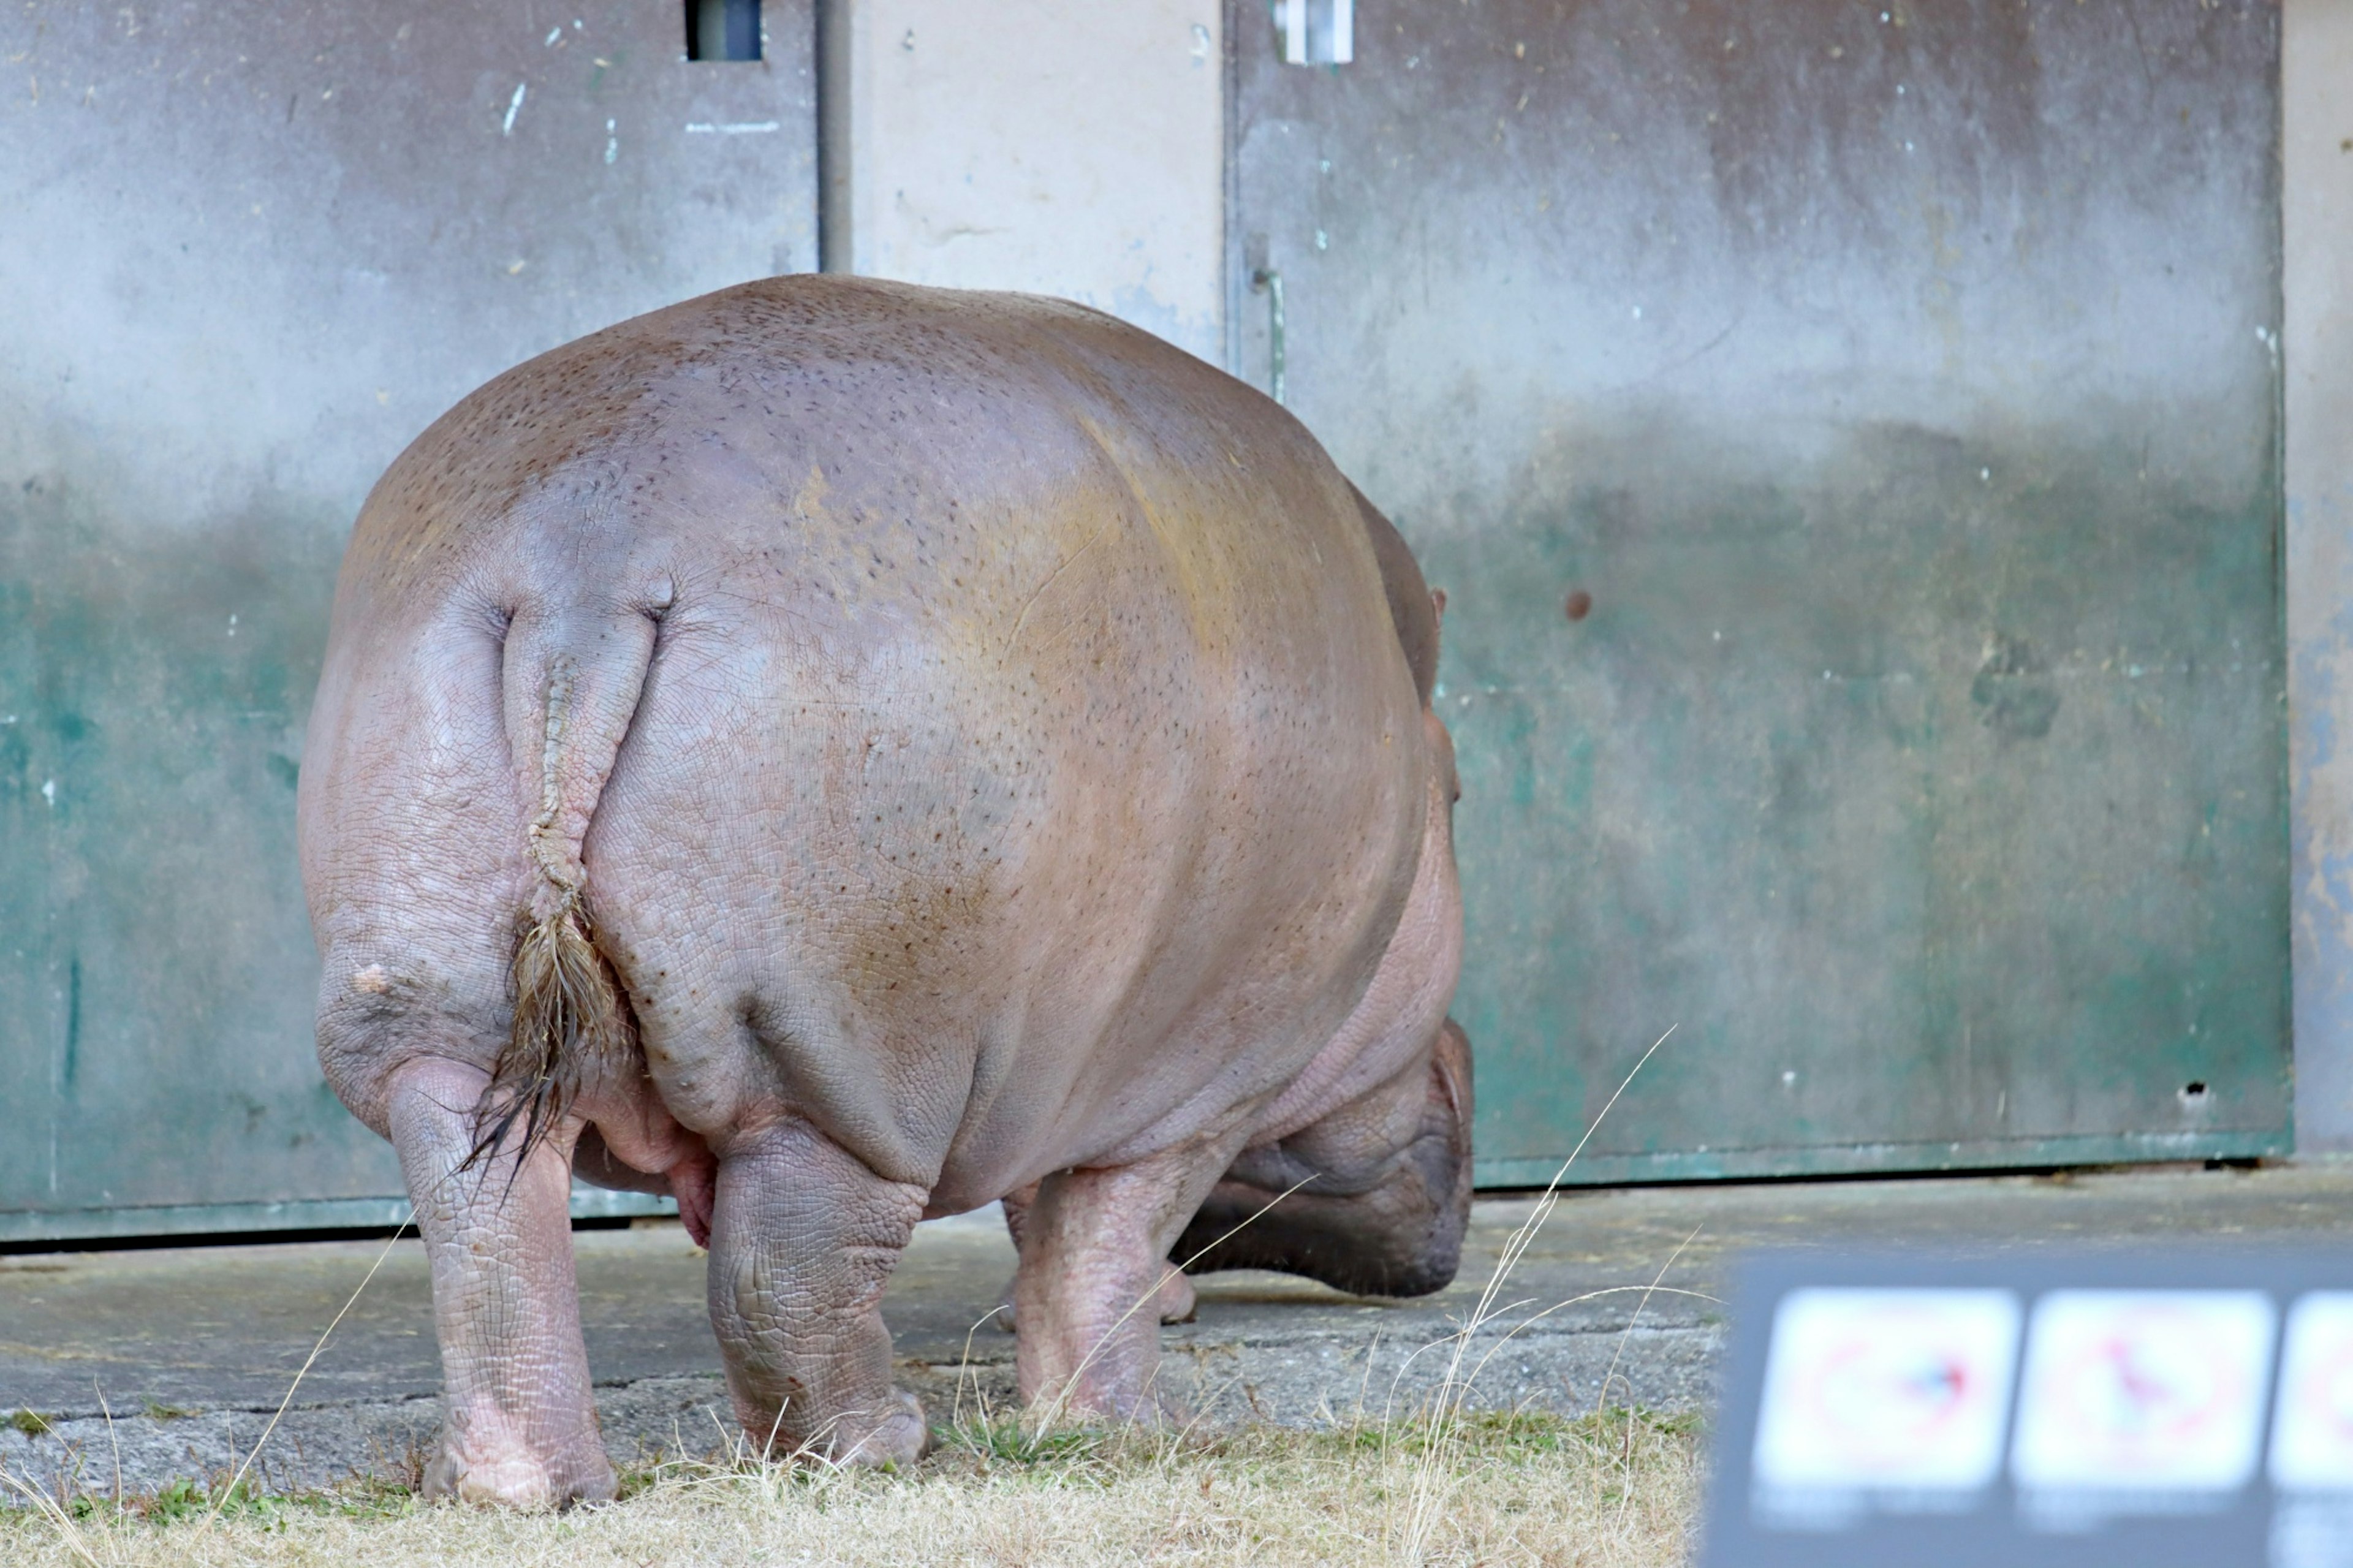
1033,144
1850,449
249,249
2316,147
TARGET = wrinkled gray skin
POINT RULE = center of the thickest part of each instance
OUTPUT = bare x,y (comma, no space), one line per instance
996,750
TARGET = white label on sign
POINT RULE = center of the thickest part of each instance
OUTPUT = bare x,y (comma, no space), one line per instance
2129,1391
1886,1389
2312,1435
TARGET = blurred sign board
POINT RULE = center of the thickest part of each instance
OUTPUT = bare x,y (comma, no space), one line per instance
2190,1409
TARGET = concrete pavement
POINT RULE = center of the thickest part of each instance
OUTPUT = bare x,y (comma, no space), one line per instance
170,1361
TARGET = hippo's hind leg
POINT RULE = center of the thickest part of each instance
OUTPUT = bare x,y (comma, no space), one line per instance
519,1418
804,1238
1386,1192
466,1012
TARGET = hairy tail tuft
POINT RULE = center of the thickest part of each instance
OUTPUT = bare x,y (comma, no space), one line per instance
570,1025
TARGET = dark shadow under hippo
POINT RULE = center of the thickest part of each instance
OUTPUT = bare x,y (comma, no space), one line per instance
842,753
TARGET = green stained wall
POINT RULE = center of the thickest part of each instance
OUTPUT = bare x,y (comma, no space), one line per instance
249,250
1894,394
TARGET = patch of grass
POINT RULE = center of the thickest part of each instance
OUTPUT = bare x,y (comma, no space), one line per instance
1611,1490
31,1423
184,1500
1009,1440
156,1412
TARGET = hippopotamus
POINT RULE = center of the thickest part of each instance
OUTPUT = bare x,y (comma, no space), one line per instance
841,753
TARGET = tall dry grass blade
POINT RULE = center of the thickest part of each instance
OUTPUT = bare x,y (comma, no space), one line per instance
58,1517
1656,1281
1647,1291
963,1365
230,1490
1440,1448
103,1409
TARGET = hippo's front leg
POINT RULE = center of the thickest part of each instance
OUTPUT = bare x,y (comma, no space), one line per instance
520,1421
804,1237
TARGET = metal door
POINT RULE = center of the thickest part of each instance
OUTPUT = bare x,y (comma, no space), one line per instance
247,249
1848,436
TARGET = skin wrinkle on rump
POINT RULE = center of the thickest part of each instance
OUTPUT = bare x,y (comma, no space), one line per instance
976,748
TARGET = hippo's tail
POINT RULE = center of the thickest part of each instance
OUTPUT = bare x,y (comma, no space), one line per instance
569,699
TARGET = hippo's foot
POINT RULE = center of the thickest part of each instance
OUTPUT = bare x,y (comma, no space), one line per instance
895,1434
1375,1218
1093,1286
804,1237
500,1469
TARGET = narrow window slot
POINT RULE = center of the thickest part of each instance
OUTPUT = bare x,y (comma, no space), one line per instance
1316,32
722,29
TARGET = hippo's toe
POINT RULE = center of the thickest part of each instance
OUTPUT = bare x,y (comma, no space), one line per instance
509,1476
900,1437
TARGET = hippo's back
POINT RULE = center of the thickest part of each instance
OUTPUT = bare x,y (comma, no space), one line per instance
976,726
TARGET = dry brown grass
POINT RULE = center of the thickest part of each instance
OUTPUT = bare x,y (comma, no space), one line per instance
1614,1489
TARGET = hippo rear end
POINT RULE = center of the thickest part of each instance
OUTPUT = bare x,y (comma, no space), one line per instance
838,754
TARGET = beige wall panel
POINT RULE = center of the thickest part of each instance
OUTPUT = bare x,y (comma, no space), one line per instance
1034,144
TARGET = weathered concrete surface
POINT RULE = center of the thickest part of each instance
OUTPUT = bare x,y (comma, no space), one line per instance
219,1332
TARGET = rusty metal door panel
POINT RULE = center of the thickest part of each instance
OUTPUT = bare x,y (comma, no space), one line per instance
1848,436
247,249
